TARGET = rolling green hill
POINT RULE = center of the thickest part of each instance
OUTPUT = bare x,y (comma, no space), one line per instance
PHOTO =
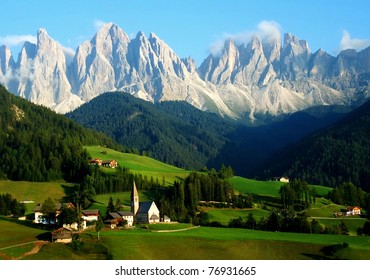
266,188
139,164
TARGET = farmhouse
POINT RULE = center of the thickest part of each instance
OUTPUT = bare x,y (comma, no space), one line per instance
39,215
144,212
111,163
353,210
90,215
281,179
113,219
63,235
96,161
128,217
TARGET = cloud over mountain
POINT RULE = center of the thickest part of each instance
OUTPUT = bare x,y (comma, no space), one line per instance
352,43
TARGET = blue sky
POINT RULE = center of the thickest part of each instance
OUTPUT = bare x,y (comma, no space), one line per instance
190,27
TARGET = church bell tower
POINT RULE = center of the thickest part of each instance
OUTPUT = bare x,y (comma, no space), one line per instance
134,199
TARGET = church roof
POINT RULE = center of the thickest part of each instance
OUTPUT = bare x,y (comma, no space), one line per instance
145,206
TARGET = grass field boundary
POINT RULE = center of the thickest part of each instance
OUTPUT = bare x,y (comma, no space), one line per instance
175,230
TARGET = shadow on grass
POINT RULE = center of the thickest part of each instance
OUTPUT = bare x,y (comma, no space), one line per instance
28,223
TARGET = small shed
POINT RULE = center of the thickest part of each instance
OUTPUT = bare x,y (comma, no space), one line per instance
166,219
63,235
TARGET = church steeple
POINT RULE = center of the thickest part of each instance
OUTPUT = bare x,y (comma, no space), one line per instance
134,199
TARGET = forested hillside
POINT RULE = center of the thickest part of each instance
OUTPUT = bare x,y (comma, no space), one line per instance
340,153
37,144
172,132
176,133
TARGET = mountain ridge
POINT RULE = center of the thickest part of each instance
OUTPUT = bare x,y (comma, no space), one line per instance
260,77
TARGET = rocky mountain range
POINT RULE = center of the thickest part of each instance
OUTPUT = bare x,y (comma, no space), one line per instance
264,76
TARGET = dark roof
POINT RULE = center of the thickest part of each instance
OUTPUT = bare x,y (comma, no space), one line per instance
62,233
90,212
108,161
58,206
113,215
127,213
145,206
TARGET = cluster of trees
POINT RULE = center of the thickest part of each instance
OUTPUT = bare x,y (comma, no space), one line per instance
297,195
181,201
349,194
37,144
10,205
288,221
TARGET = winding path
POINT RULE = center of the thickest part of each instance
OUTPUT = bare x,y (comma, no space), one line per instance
34,250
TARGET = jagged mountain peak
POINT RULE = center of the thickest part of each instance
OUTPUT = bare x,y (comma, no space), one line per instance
262,76
295,42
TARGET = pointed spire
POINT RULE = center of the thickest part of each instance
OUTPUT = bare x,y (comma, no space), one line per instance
134,199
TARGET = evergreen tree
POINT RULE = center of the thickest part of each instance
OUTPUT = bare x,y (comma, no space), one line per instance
110,206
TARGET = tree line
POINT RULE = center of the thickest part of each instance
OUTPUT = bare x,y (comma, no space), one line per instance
10,205
37,144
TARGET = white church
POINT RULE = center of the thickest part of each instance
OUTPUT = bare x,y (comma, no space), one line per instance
144,212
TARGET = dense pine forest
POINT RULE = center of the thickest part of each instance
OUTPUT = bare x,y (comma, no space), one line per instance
179,134
338,154
172,132
37,144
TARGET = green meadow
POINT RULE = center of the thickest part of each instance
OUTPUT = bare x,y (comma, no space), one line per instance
34,192
225,243
266,188
16,238
139,164
224,215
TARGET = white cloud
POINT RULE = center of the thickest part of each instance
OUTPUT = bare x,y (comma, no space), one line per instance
15,40
98,23
265,31
352,43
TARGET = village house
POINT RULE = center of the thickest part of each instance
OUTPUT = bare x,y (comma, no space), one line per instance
353,210
90,215
113,219
96,161
280,179
110,163
62,235
39,215
128,217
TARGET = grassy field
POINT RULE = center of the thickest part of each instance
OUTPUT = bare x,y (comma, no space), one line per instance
265,188
139,164
225,215
14,232
223,243
192,243
34,192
